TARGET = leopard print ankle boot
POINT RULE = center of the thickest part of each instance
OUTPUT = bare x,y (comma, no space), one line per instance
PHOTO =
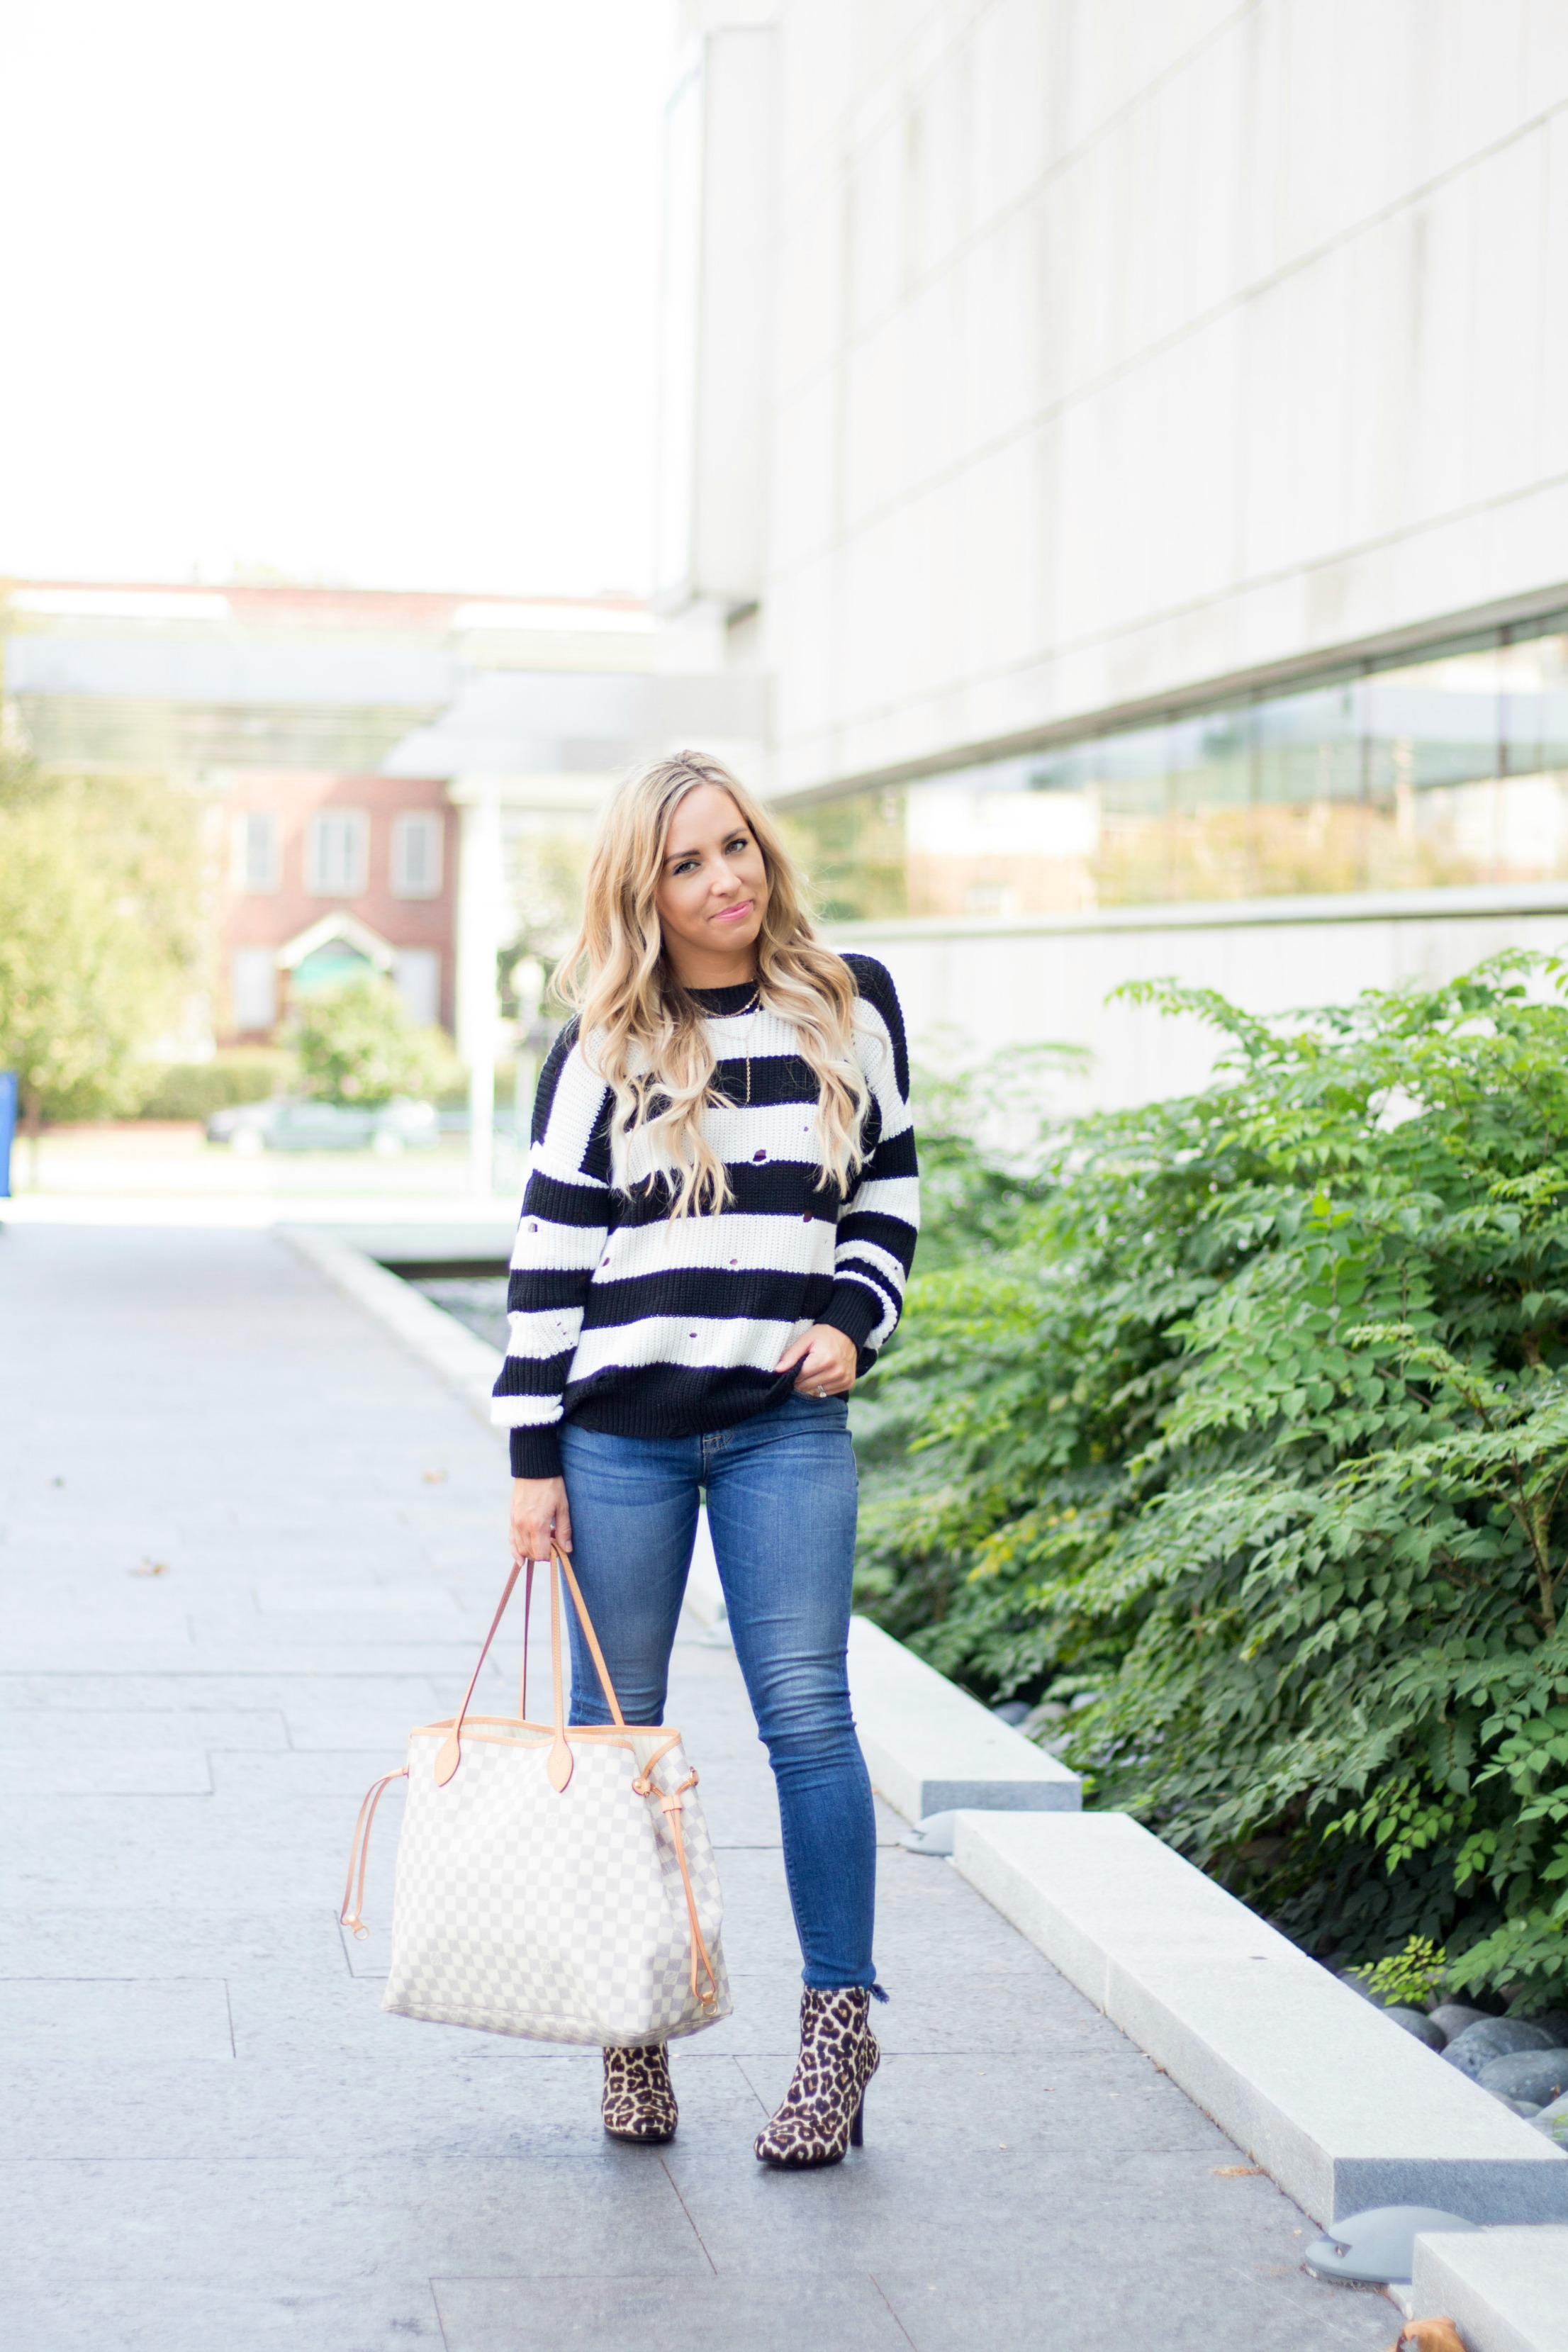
820,2116
639,2102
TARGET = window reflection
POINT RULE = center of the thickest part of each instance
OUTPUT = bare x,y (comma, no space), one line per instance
1447,769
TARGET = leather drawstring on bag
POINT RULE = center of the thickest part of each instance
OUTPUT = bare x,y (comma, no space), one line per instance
672,1809
359,1850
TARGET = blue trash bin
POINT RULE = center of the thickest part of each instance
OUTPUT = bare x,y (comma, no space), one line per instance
7,1129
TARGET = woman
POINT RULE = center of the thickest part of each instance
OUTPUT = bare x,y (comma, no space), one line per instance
719,1215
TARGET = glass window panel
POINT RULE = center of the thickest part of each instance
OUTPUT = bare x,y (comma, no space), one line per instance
336,855
1449,769
1433,722
855,854
1211,759
257,863
1131,771
417,855
1533,680
981,851
1308,745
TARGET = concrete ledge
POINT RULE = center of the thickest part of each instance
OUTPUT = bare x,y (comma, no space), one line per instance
930,1747
403,1242
462,1360
466,1363
1506,2290
1340,2105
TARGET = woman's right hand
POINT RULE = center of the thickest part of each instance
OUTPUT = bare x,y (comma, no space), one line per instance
539,1512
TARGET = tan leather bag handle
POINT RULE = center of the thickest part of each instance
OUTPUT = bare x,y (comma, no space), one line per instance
450,1755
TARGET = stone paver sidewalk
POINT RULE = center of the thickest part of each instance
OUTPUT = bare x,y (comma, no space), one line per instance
215,2142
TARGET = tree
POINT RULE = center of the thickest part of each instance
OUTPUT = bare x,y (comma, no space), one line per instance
100,910
1257,1439
355,1044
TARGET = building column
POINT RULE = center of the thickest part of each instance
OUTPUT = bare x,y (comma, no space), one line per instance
480,914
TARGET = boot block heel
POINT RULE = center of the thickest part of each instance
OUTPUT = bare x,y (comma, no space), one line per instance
858,2129
820,2119
638,2102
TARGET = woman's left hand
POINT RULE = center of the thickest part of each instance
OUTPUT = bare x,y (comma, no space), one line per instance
827,1359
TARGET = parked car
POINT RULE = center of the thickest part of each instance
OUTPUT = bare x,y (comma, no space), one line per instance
294,1123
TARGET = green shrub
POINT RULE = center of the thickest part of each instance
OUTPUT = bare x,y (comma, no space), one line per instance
355,1044
195,1089
1258,1434
100,893
1410,1977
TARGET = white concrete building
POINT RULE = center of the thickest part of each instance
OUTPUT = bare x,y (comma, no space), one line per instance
1130,434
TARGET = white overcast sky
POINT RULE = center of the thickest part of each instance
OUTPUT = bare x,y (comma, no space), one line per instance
363,291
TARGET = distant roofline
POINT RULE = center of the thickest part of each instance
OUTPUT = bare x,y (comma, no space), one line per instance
239,594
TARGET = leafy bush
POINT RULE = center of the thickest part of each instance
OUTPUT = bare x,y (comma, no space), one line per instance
355,1044
1410,1977
195,1089
1258,1434
984,1140
976,1203
100,933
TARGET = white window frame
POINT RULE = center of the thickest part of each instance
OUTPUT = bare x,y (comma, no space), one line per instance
408,826
337,853
257,831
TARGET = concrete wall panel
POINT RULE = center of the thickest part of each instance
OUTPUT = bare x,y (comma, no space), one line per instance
971,990
1118,348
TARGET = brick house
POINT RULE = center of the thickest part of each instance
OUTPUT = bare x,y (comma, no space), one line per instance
395,782
327,873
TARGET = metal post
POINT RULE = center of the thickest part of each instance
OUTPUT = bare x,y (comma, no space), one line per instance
7,1129
528,987
479,939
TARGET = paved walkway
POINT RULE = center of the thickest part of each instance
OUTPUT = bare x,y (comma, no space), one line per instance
215,2142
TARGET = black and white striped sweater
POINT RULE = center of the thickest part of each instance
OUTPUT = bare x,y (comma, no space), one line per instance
625,1318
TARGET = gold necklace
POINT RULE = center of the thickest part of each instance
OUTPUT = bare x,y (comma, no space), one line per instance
752,1009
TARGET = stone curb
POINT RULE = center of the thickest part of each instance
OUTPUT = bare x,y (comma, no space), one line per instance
1340,2105
1505,2290
931,1749
461,1358
467,1363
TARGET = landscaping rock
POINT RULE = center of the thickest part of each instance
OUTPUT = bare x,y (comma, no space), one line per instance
1451,2018
1552,2021
1415,2022
1553,2122
1538,2075
1495,2037
1525,2109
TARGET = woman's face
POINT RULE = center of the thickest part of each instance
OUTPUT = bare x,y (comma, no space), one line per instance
712,891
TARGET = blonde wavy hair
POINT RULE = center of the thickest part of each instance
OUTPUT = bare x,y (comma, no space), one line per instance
643,1031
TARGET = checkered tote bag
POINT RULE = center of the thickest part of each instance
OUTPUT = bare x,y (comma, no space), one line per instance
554,1880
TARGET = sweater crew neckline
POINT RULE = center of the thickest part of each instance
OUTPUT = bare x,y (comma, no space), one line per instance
721,1002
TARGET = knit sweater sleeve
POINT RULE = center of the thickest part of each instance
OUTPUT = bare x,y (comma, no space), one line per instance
879,1221
565,1216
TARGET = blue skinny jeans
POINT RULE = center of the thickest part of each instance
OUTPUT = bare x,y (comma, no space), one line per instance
781,1494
